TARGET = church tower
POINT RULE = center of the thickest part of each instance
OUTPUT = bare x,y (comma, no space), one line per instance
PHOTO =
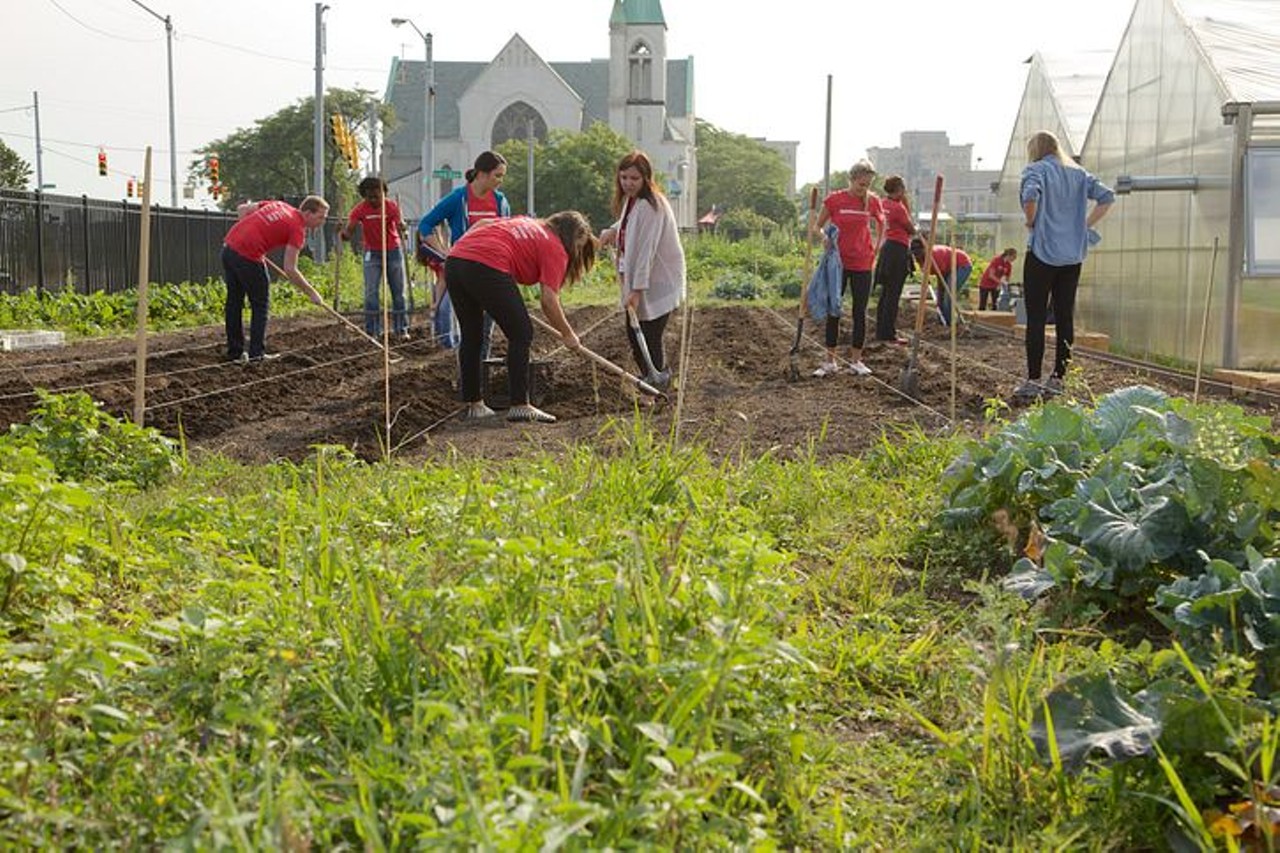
638,71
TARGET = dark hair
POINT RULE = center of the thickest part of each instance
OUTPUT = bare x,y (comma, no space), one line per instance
579,242
486,162
639,161
369,184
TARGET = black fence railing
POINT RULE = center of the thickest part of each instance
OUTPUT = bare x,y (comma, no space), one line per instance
55,243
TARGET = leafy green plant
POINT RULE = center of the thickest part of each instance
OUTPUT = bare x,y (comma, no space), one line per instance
738,286
85,443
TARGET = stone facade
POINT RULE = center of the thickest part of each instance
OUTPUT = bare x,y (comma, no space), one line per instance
637,91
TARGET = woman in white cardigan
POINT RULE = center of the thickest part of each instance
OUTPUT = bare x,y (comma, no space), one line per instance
651,270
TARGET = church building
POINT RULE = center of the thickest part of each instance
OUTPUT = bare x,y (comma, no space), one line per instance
637,91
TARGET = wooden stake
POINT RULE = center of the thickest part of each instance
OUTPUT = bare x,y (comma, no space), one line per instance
1204,322
144,273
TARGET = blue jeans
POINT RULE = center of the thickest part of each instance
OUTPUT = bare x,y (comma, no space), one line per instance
373,291
944,298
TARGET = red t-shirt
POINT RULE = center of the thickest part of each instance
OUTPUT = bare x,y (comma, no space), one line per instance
852,216
999,268
272,225
480,208
368,217
897,221
522,247
942,259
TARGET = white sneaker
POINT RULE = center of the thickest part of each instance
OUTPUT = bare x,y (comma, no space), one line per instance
859,369
827,368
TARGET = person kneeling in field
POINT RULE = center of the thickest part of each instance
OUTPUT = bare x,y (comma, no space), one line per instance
482,272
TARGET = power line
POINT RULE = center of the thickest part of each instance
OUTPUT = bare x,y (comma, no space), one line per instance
94,29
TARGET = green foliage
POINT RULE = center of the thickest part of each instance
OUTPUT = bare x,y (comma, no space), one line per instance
168,306
573,171
735,172
775,259
740,222
275,157
41,526
15,173
1144,499
85,443
738,286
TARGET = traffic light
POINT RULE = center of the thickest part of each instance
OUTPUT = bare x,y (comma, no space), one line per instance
345,141
102,162
213,170
128,188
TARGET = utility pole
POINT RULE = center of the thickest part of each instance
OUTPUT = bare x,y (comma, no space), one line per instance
529,167
318,136
35,102
173,136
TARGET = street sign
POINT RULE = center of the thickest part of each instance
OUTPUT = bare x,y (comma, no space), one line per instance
446,173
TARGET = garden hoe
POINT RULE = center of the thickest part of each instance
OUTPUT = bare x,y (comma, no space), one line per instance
394,359
793,369
909,379
608,366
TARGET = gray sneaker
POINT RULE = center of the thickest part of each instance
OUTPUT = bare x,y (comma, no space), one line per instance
1029,389
1053,386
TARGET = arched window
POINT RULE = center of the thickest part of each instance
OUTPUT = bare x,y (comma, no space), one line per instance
640,73
513,123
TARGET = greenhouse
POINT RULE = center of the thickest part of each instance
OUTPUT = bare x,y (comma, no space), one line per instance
1185,126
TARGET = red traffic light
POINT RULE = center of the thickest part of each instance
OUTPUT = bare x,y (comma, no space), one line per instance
102,162
129,188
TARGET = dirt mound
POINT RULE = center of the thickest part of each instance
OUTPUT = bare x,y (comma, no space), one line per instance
327,387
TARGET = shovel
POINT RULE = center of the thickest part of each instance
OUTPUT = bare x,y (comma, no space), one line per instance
653,376
909,379
604,363
793,369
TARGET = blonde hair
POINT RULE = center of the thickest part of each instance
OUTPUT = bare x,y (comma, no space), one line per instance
862,167
1043,143
314,204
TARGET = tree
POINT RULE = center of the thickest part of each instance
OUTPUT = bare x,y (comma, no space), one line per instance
572,171
737,172
275,156
14,171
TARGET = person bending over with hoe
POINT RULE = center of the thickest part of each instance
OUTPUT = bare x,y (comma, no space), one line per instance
482,273
263,227
650,260
382,230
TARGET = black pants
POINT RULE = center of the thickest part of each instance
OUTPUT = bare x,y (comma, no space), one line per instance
860,284
652,331
891,273
476,289
984,295
245,278
1040,282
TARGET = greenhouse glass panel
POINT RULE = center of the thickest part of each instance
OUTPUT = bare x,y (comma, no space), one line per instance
1262,211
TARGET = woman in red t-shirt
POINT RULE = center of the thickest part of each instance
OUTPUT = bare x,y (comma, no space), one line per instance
482,272
856,213
994,277
894,264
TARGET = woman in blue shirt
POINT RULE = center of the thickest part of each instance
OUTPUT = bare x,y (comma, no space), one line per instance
1055,198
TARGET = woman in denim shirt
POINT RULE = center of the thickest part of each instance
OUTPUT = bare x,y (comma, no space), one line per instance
1055,198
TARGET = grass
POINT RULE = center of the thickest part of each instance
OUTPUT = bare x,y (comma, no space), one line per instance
629,645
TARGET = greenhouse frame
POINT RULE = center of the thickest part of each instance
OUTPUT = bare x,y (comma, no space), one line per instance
1185,126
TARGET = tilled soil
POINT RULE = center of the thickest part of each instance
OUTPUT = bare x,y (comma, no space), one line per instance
327,387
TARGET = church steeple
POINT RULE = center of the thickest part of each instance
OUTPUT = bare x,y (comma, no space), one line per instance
637,12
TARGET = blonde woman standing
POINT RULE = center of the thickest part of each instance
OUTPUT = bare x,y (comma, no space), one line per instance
1055,196
650,259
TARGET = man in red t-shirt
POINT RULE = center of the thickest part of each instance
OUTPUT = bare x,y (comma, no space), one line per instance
995,277
263,227
381,228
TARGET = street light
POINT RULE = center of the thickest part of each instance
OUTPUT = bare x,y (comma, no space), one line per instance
173,144
429,113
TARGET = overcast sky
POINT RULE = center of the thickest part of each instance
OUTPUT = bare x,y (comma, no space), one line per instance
760,68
